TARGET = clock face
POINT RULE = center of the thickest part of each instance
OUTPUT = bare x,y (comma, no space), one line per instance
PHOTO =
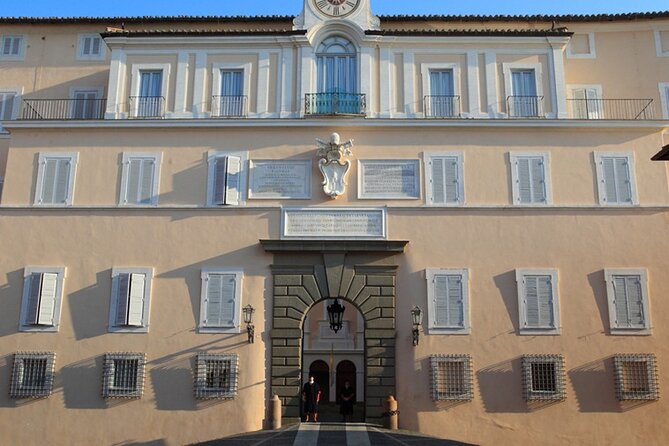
336,8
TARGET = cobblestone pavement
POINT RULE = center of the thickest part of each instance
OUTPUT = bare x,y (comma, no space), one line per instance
332,434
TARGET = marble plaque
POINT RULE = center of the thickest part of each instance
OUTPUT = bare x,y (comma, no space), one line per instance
280,179
328,223
389,179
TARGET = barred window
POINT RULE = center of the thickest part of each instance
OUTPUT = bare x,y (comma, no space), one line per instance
451,377
636,377
123,375
32,375
543,377
216,376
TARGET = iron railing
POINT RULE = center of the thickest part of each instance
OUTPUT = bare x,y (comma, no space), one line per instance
228,106
440,106
525,106
147,107
621,109
38,109
331,104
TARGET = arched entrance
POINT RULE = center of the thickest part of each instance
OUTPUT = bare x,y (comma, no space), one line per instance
346,372
321,373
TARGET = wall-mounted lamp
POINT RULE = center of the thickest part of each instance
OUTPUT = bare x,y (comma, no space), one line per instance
417,318
248,320
336,315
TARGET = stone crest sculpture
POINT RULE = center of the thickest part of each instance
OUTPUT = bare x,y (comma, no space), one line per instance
332,164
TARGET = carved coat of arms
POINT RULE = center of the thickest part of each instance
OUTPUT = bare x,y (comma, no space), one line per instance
332,164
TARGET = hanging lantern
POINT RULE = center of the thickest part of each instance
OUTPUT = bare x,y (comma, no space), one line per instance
336,315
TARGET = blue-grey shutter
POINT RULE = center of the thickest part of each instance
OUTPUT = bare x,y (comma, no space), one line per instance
538,180
628,302
440,301
49,176
7,46
136,300
524,180
122,293
62,181
624,184
87,46
532,317
6,106
438,180
47,306
445,180
141,174
448,301
539,302
147,181
609,174
233,181
617,179
95,50
220,172
220,300
34,294
16,47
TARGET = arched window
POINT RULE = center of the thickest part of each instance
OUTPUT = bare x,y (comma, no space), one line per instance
336,59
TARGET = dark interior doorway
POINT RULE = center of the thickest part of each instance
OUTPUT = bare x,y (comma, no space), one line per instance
321,373
346,372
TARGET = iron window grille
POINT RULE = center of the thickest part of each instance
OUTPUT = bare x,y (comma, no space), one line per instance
451,377
216,376
32,375
544,378
636,377
123,375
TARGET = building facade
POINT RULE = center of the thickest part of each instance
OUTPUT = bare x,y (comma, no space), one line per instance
161,174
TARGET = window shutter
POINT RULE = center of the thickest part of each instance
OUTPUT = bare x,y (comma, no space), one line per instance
617,181
628,302
96,46
545,300
6,106
445,180
34,297
524,182
531,301
16,45
140,181
455,303
7,46
122,293
620,302
448,301
87,46
146,191
635,301
136,300
441,301
220,300
50,167
47,304
220,171
624,185
609,178
538,180
438,181
233,186
62,181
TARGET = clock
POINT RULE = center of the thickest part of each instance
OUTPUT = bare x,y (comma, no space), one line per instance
336,8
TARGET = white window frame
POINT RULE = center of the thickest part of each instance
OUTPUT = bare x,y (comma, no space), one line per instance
432,328
22,47
508,68
429,189
513,158
426,68
661,51
25,301
239,276
18,93
522,308
591,44
363,164
135,83
148,279
246,76
601,189
212,155
664,98
43,157
80,47
609,273
157,158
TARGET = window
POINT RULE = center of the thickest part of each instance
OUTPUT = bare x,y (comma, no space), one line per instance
445,179
441,82
131,295
90,47
586,102
55,179
230,90
662,42
543,377
664,99
451,377
86,103
581,46
524,90
628,301
123,375
538,301
42,296
12,48
8,105
448,301
530,178
149,90
216,376
615,178
336,79
32,375
220,303
226,178
636,377
140,179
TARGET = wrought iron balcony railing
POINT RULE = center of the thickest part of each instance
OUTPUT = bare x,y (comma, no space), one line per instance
56,109
439,106
621,109
334,104
228,107
147,107
525,106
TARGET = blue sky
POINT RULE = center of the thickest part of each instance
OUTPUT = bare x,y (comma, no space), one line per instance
69,8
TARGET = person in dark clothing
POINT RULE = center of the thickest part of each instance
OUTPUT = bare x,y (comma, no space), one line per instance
311,395
347,398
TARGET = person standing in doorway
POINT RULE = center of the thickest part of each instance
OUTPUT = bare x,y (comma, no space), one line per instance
311,395
347,400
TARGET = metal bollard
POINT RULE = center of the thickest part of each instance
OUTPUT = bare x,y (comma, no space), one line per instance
275,412
392,413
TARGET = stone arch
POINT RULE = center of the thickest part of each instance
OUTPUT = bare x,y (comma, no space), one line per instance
350,271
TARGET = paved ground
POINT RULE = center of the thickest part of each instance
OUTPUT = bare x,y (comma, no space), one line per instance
332,434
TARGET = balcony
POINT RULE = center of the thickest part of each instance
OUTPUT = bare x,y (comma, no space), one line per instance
617,109
525,106
335,104
62,109
228,107
442,106
147,107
